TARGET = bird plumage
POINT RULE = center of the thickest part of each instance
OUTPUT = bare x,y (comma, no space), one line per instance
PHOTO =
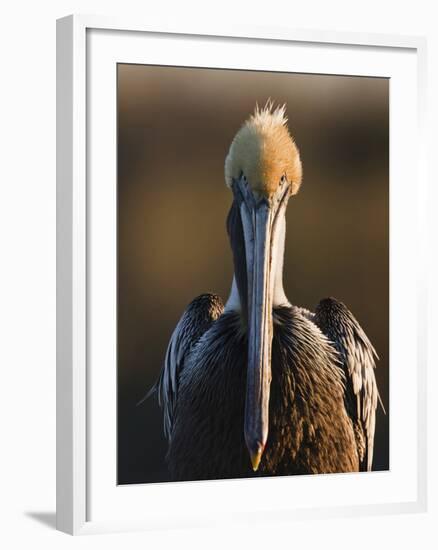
358,360
196,319
310,430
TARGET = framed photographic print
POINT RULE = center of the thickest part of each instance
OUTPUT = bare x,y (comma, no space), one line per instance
210,367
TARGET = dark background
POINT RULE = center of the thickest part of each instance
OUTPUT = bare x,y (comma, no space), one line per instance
175,126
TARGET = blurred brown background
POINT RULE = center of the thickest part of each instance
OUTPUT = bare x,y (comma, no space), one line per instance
174,129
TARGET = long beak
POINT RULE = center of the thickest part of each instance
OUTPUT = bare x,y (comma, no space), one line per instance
259,336
259,222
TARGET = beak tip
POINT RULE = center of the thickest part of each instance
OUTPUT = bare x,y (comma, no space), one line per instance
256,457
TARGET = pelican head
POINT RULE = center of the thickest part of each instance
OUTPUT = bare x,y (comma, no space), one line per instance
263,169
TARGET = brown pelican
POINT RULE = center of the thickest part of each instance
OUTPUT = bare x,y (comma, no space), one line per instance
260,386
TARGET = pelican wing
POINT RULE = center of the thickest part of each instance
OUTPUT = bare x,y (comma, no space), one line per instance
358,358
195,321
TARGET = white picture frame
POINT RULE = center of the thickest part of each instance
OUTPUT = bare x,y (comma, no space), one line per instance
85,60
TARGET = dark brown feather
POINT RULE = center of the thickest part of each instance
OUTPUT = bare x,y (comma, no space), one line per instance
307,394
358,360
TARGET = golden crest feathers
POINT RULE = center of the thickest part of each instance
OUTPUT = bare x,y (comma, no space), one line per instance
264,151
